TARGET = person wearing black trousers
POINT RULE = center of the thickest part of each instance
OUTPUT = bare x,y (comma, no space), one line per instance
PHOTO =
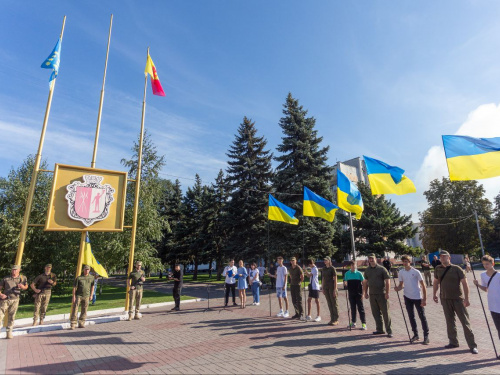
177,277
229,273
353,280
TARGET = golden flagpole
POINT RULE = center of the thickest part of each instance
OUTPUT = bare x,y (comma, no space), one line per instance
137,187
36,169
94,154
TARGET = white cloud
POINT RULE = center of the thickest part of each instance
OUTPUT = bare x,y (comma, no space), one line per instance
483,122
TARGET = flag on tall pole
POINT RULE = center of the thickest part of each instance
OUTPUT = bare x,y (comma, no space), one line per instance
53,61
348,196
470,158
277,211
155,80
317,206
387,179
90,260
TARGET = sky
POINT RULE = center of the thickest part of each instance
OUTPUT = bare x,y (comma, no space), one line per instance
382,78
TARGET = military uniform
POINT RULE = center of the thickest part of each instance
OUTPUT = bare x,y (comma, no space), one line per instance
84,286
426,267
10,304
329,282
376,277
135,293
295,275
43,297
452,302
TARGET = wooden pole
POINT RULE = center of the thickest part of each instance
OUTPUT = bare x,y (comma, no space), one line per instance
137,189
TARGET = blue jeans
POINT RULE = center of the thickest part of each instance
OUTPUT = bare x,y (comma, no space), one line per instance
256,292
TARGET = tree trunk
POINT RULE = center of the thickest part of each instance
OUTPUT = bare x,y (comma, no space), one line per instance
195,271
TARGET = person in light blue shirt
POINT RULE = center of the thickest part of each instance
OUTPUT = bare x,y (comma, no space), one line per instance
242,283
255,283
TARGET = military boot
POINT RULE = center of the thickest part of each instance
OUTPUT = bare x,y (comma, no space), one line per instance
9,335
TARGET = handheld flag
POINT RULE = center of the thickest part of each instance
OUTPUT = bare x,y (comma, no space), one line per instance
471,158
53,61
89,259
317,206
348,195
277,211
387,179
155,81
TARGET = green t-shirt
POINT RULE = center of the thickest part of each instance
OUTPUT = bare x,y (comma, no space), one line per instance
9,286
84,285
135,276
295,274
329,277
41,281
450,285
376,277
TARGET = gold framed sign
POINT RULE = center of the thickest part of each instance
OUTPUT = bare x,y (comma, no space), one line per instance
86,199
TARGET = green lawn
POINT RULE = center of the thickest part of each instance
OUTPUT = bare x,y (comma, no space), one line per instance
111,297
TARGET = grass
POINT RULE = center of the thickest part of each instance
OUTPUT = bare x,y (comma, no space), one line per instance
111,297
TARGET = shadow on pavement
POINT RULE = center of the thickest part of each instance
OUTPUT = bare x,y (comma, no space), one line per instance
81,333
103,341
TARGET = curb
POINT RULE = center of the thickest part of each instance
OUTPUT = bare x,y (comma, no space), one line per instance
97,314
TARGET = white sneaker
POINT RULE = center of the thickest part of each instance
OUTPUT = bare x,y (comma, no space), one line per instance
318,319
302,318
257,303
280,314
253,303
286,314
308,318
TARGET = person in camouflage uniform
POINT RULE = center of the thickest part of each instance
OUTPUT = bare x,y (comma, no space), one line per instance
136,279
10,290
83,289
42,286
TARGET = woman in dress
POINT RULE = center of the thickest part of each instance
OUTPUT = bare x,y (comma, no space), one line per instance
242,283
255,283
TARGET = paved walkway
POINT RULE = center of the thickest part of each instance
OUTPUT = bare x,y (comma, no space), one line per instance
247,341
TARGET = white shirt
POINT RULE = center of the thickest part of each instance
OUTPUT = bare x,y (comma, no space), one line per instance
281,273
493,291
314,278
411,280
253,273
261,270
230,280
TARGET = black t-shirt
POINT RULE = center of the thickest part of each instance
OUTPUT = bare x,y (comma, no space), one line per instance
272,269
177,275
387,264
436,262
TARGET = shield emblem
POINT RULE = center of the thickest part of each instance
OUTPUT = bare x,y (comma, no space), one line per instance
90,202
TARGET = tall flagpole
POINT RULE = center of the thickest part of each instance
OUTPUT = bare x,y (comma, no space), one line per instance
137,187
83,235
36,169
353,247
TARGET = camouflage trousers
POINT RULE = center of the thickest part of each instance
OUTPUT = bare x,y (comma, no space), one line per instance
84,302
9,307
134,295
41,303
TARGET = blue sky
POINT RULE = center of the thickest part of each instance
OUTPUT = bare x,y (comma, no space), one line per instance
382,78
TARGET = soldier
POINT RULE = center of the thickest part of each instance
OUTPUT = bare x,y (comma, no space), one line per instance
426,267
42,286
83,289
450,279
136,278
296,277
329,281
9,299
377,282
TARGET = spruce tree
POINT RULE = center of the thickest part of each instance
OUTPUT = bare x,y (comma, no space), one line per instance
249,175
302,162
171,210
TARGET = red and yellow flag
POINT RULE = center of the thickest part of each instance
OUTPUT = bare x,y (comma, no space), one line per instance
155,81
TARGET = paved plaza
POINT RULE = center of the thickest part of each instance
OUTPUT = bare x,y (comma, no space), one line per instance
248,341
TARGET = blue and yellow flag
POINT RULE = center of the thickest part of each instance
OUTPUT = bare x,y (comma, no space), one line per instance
52,62
317,206
348,195
387,179
90,260
471,158
277,211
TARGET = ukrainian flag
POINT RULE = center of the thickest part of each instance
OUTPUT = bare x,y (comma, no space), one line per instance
317,206
279,212
348,195
471,158
387,179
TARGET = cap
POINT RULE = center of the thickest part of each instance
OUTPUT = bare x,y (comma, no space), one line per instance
372,255
15,267
293,258
48,265
86,267
444,252
328,259
138,263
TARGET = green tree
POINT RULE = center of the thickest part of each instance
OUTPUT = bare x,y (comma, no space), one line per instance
493,243
448,222
302,162
382,228
249,175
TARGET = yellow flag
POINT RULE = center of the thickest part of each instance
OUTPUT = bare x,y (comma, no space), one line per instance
90,260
